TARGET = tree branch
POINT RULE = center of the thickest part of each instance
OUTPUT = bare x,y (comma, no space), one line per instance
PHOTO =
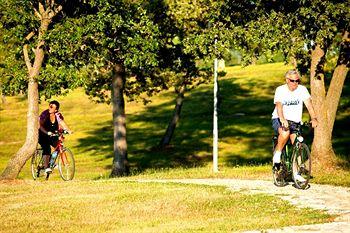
26,57
37,14
41,8
25,51
54,11
30,35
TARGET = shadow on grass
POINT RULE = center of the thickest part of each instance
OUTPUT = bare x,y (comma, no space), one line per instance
192,142
244,121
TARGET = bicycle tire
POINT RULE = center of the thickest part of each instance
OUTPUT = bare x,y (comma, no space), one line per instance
36,165
301,166
66,164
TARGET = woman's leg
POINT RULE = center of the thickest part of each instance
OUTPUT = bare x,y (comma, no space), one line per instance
45,145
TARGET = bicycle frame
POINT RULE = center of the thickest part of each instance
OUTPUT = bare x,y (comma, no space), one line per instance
65,163
59,147
295,161
288,150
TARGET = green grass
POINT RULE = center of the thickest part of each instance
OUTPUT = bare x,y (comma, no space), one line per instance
244,130
95,203
121,206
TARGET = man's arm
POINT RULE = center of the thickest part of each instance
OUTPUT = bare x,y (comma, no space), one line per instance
312,113
280,114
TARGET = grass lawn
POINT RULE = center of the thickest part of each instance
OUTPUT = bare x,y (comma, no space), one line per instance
119,206
244,130
93,202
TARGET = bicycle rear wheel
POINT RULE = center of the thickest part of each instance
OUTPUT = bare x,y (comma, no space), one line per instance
37,164
66,164
301,166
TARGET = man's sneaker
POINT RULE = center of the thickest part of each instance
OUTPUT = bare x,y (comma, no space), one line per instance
299,178
48,170
276,166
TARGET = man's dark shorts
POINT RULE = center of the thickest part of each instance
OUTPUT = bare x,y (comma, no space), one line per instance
276,124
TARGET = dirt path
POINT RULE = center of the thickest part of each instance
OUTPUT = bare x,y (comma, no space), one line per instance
334,200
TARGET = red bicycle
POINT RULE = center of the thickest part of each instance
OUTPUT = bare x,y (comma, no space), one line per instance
61,157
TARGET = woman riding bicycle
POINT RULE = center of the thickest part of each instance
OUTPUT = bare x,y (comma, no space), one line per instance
288,100
50,121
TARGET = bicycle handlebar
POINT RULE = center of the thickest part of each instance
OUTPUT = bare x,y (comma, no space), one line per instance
59,133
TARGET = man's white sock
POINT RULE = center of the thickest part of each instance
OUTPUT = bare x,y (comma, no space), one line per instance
277,157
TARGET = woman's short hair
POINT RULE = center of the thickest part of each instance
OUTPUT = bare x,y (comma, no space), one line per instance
55,102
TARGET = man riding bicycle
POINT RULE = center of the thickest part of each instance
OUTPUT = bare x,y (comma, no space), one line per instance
288,100
50,121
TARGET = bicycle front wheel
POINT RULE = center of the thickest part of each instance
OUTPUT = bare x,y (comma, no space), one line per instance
301,166
37,164
66,164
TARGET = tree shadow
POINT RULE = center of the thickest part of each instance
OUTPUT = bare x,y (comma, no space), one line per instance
244,121
192,141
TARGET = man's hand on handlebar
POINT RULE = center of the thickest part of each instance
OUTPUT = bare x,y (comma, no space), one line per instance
314,122
285,124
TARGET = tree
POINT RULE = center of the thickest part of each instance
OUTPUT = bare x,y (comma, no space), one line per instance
186,37
29,22
306,31
115,45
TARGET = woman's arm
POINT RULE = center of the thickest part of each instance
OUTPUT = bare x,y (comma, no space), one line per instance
64,126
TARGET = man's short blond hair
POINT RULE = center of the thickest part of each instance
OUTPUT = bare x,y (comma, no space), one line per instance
292,73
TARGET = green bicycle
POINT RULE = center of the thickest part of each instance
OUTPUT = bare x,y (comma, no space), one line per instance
61,157
295,162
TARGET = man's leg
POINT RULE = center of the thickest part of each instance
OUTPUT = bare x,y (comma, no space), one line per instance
283,137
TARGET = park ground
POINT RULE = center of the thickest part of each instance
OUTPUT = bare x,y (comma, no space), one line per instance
93,202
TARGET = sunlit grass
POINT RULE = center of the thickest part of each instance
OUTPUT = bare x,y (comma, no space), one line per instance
120,206
244,130
93,202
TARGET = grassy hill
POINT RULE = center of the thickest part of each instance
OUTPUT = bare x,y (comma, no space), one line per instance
94,203
244,130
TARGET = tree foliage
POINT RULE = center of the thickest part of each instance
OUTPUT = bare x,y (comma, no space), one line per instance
311,32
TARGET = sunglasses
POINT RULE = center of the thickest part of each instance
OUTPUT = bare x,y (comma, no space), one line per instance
294,80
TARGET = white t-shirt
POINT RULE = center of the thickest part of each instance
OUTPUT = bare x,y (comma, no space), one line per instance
292,102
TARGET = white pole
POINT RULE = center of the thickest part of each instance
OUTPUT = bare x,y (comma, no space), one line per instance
215,116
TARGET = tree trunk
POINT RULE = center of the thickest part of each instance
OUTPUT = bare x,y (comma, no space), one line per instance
326,104
27,150
322,150
17,162
176,116
338,79
120,165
